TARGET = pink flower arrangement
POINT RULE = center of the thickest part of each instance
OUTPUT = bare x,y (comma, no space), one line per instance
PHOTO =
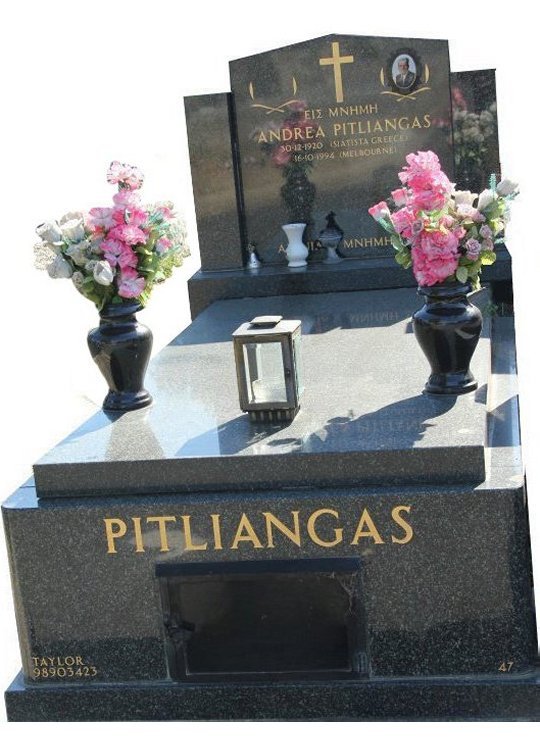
114,253
443,234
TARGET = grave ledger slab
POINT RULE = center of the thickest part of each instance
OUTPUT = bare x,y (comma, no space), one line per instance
312,597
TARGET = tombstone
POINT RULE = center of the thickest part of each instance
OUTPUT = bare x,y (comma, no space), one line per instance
324,126
369,559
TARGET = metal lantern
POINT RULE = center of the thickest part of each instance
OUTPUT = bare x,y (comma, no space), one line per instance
268,368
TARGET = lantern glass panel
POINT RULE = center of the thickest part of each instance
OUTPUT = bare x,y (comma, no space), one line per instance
265,374
299,369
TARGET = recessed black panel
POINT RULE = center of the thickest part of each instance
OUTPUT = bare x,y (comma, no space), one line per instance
276,622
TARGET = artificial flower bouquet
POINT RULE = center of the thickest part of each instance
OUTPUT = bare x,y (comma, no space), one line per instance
445,234
116,253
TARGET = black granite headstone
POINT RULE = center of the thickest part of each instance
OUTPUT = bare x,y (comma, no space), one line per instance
325,125
212,153
474,120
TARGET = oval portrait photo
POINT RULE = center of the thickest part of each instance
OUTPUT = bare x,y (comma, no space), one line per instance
404,72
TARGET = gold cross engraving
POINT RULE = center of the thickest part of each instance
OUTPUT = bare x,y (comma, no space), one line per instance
337,62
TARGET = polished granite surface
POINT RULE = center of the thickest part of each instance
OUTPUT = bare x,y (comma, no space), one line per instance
363,418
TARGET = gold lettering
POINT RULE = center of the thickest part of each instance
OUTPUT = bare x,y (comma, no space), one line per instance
69,661
78,661
294,536
416,123
427,121
246,533
162,522
274,135
366,520
113,534
403,523
190,547
313,533
216,528
262,137
139,547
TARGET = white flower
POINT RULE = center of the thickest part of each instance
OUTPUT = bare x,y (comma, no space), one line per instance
60,268
72,215
506,187
103,272
465,196
73,230
78,279
77,252
485,198
44,254
49,231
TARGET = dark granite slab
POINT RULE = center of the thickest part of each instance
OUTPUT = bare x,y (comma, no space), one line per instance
323,126
465,699
216,191
354,274
363,420
446,591
475,128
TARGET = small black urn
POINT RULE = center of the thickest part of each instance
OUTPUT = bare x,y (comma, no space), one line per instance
121,346
448,329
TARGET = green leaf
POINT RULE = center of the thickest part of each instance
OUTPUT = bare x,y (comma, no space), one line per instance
462,274
397,243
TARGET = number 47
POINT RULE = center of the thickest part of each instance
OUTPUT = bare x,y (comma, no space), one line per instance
506,666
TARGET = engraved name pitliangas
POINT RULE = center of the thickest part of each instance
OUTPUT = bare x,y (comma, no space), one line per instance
262,530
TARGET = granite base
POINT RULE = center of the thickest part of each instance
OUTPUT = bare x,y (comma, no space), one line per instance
504,698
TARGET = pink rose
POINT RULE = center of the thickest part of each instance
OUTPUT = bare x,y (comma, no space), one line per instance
430,187
136,216
379,210
419,166
399,196
129,233
113,247
434,256
403,221
127,199
118,253
130,285
100,218
125,174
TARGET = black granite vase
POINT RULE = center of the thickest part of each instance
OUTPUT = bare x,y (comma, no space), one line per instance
121,346
448,329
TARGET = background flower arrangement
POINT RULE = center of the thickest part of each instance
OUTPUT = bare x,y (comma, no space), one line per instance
444,234
115,253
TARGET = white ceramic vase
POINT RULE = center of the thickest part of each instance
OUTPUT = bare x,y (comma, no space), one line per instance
296,251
